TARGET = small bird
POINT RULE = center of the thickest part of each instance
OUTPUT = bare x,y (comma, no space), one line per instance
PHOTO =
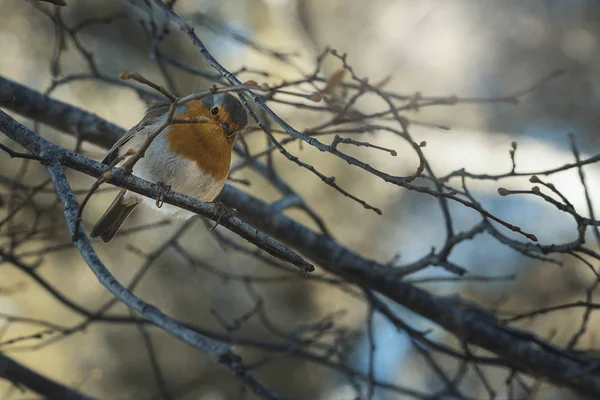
190,158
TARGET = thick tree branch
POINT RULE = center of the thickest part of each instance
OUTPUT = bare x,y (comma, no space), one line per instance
82,124
23,376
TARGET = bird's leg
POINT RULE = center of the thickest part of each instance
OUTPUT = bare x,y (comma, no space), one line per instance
164,189
222,211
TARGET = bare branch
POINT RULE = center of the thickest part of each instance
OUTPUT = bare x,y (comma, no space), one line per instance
23,376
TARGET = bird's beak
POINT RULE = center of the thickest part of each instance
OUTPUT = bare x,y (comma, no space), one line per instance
225,127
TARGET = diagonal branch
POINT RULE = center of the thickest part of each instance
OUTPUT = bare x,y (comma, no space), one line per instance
22,376
64,117
39,146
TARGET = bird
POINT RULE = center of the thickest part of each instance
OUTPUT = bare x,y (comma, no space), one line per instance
190,158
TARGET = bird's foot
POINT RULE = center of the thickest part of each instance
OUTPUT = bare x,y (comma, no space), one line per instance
164,189
222,211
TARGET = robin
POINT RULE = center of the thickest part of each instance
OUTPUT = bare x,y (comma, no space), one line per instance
190,158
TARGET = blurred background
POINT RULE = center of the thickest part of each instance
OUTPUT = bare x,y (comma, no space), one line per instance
483,49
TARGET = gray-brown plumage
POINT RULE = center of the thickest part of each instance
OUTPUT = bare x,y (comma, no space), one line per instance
107,226
109,223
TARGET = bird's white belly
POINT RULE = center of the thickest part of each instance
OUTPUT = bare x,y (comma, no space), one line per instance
181,174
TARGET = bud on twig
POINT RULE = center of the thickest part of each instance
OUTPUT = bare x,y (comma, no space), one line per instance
334,80
316,97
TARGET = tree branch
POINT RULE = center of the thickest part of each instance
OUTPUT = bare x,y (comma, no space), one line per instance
23,376
64,117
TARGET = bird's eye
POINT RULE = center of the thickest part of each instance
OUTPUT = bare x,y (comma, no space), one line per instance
214,110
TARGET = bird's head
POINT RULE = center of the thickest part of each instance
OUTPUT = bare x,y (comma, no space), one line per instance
226,111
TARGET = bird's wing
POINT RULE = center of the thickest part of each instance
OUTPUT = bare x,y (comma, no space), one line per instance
153,113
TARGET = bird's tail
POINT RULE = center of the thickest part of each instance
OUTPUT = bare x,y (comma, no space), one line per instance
108,225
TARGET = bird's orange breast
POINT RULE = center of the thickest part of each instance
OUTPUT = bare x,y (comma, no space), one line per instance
204,143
